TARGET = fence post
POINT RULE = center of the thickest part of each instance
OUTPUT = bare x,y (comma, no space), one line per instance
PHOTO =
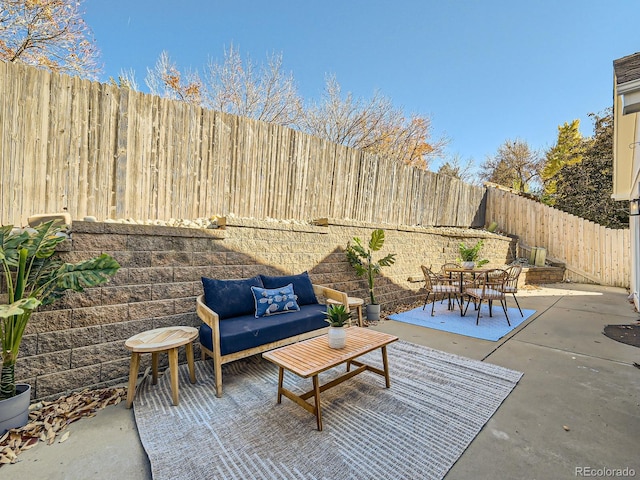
120,180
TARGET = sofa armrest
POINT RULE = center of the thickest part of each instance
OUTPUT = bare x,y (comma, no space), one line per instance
207,315
212,319
336,295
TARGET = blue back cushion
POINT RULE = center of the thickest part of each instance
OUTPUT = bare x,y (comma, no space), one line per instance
271,301
230,298
301,286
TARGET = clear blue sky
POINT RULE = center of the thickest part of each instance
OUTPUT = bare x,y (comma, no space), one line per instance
483,71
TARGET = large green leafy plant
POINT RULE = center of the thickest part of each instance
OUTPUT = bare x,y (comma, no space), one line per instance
33,276
361,258
472,254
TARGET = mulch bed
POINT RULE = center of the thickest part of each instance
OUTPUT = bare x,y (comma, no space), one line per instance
629,334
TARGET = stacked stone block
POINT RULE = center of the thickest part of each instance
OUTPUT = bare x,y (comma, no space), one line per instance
541,275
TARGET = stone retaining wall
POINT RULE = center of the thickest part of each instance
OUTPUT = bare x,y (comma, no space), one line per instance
541,275
79,341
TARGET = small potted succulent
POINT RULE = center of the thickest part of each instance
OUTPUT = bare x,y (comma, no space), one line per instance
338,317
361,259
32,276
469,255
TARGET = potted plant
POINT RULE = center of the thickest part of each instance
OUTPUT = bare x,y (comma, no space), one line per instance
338,317
361,259
31,277
469,255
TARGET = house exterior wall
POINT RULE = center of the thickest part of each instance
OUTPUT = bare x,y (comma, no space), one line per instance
634,226
634,221
624,131
626,181
626,157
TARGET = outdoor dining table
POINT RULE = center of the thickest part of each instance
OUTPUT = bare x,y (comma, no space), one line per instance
462,271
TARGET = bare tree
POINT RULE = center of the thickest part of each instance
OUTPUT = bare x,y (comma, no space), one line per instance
239,87
373,125
48,33
166,80
126,79
263,92
515,166
455,167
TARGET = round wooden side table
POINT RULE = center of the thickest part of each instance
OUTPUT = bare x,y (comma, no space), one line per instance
159,340
354,302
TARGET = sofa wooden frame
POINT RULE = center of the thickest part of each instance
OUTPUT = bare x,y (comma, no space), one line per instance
212,319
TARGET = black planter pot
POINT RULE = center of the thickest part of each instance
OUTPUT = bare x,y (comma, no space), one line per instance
14,411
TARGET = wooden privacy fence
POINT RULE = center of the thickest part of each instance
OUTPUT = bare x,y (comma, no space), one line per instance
95,149
591,253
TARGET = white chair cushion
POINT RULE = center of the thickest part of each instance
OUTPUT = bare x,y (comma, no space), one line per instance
444,289
488,294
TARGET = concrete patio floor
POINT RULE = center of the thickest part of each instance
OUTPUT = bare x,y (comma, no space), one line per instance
575,411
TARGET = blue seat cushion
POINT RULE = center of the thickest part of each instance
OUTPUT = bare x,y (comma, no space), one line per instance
230,298
247,331
302,286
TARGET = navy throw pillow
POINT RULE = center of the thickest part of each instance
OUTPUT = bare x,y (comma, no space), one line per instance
230,298
271,301
301,285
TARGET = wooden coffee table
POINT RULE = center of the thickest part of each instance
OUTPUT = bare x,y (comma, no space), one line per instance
311,357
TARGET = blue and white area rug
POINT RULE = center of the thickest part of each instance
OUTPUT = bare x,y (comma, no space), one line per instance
489,328
418,428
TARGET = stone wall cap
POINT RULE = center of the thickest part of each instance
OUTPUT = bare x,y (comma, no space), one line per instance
134,229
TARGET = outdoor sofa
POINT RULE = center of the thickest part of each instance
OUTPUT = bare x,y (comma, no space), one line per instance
239,321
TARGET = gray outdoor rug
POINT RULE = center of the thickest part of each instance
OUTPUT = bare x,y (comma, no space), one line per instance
417,429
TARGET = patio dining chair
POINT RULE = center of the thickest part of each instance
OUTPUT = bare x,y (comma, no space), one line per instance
434,285
511,284
488,287
444,269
